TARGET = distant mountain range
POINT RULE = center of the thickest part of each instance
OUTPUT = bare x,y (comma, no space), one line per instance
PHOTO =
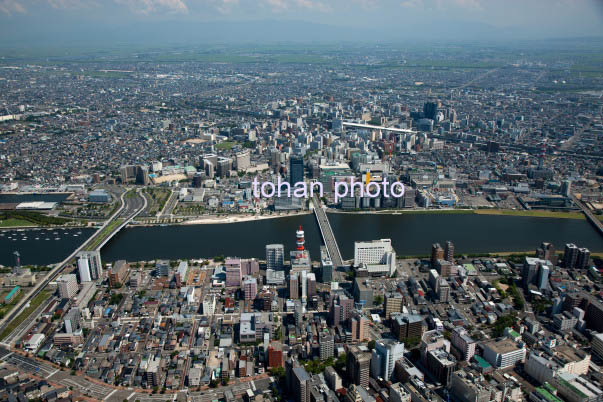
15,32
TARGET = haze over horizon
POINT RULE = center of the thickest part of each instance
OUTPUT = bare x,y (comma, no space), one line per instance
60,22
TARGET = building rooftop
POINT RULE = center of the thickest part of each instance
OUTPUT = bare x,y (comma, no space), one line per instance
502,346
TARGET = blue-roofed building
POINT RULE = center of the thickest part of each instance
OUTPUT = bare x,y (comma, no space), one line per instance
100,196
11,296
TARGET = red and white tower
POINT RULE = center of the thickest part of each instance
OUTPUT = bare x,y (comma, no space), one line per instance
300,239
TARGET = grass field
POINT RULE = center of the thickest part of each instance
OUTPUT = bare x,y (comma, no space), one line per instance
538,214
105,232
410,211
226,145
29,218
159,197
5,308
528,253
507,212
34,304
13,222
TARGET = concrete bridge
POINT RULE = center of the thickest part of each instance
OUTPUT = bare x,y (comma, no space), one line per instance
589,215
129,209
327,233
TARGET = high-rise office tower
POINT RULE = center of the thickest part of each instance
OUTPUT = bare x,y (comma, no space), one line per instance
430,109
118,272
223,167
275,160
275,257
532,271
84,270
276,357
250,288
449,251
298,313
233,272
142,175
294,286
546,251
95,266
300,384
326,265
566,188
311,284
583,258
359,366
437,253
543,277
304,286
341,308
393,304
443,290
408,326
67,285
327,346
385,355
570,256
296,169
358,325
72,320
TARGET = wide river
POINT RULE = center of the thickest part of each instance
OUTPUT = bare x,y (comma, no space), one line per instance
411,234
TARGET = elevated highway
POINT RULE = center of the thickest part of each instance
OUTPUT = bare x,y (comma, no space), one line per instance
589,215
128,210
382,128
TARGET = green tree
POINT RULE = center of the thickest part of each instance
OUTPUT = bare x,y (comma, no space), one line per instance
278,372
509,320
378,300
341,361
371,344
412,342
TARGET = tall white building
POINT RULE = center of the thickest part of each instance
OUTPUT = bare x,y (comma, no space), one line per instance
385,355
209,305
304,286
72,320
275,257
504,353
598,345
84,270
378,256
95,266
463,342
67,285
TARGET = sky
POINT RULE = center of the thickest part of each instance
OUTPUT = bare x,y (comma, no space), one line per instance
232,20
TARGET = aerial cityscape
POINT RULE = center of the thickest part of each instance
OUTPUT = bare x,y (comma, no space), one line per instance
264,209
